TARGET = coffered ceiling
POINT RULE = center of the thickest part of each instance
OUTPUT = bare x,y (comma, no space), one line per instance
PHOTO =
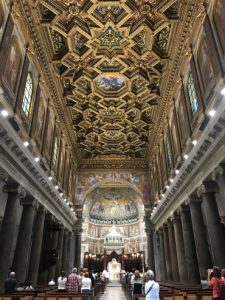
111,66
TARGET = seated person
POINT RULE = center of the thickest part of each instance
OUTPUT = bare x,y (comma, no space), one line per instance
62,281
29,287
21,287
10,284
204,283
86,283
51,282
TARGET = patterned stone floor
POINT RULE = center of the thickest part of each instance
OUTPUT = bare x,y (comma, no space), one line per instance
113,292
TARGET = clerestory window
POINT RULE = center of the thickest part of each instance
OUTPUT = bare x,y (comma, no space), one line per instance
27,97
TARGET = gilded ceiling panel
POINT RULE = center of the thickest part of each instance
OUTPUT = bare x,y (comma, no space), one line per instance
110,59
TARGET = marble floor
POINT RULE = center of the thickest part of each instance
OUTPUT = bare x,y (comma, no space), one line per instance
113,292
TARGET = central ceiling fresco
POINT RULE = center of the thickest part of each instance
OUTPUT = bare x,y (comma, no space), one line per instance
108,61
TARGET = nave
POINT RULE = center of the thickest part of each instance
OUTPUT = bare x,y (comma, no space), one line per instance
112,136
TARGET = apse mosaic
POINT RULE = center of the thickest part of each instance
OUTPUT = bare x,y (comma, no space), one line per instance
113,205
110,82
114,210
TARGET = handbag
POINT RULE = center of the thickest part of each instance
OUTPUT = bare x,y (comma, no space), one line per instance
150,289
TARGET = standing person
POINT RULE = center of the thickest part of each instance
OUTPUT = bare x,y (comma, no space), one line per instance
91,276
217,282
151,287
86,283
73,281
10,284
136,282
62,281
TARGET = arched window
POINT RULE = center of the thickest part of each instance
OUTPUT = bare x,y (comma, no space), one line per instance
27,97
192,94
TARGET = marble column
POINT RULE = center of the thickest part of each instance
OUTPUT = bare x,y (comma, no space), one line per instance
158,264
10,228
162,256
65,264
54,251
78,249
189,246
60,252
78,233
182,267
218,175
71,264
3,196
201,244
73,248
35,255
167,253
150,246
45,250
151,261
173,253
24,242
212,219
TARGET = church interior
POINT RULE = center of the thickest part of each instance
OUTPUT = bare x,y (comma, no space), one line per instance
112,138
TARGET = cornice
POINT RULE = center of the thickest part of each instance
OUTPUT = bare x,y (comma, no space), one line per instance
19,163
114,164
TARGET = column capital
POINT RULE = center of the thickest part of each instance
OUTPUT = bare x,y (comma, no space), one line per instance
193,199
176,215
219,170
78,226
15,188
149,230
207,187
3,175
185,208
165,225
42,209
160,230
170,221
29,201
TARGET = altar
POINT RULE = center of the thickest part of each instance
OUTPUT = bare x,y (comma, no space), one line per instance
114,269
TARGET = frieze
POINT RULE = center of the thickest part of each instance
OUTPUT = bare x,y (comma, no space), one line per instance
14,157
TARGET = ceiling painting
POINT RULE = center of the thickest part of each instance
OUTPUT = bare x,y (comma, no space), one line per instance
110,82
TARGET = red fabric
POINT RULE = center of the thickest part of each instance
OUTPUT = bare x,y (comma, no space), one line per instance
73,283
216,286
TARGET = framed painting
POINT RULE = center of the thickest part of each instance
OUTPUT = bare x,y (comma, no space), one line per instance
40,118
3,17
61,160
13,62
183,118
175,137
219,19
49,133
205,66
